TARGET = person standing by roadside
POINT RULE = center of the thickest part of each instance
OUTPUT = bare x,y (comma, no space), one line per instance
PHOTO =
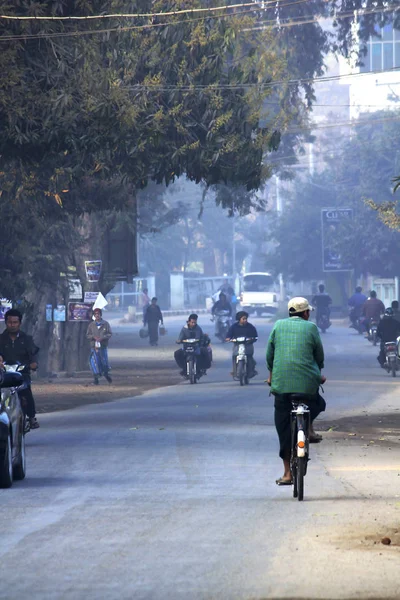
18,347
98,333
153,316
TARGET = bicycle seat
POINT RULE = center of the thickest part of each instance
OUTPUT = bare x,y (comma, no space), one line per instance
299,398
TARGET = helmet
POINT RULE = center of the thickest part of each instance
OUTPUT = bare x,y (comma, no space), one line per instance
389,312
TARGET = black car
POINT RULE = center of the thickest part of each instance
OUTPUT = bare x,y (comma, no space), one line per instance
12,437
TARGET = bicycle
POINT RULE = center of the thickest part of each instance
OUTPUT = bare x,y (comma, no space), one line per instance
299,453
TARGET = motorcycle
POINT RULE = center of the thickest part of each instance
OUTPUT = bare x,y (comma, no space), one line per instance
355,320
241,368
372,334
392,362
12,433
222,325
191,348
323,321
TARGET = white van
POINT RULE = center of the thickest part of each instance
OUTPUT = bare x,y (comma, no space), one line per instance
259,293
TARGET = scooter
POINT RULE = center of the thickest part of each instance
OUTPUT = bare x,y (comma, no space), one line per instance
392,362
241,369
356,321
323,321
372,333
191,348
223,324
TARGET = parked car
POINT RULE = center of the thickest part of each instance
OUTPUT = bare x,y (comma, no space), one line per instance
12,436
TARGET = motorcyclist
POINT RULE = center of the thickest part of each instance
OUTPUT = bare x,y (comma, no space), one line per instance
356,302
322,302
242,328
388,331
18,347
396,311
227,289
372,310
221,305
193,331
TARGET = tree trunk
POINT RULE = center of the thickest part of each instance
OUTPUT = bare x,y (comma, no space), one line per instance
63,345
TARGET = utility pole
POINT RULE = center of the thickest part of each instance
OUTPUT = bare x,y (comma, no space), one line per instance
233,247
279,207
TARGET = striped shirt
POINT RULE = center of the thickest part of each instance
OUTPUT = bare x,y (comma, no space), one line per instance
295,356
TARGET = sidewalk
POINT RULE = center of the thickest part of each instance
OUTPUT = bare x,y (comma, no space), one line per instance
136,368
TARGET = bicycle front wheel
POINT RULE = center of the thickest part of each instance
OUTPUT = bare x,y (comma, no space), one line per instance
294,478
301,467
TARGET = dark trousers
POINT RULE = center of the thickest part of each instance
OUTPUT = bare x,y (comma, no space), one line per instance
153,332
283,407
26,398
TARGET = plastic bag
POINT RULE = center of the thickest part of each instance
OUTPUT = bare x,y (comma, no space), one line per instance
144,332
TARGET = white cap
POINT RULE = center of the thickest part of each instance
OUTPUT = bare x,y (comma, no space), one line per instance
298,305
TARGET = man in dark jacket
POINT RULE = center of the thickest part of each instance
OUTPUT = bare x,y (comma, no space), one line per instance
153,316
222,304
193,331
388,331
18,347
219,307
242,328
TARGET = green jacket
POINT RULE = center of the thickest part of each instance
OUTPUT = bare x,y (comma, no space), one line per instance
295,356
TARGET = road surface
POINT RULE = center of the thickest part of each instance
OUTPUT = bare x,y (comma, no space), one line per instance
172,495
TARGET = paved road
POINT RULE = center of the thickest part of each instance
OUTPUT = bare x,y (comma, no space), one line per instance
172,495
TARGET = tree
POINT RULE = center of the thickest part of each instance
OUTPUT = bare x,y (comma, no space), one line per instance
356,178
90,113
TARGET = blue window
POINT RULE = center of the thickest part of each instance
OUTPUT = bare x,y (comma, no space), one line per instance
376,57
387,56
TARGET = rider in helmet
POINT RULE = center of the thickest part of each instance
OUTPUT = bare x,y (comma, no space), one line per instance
388,331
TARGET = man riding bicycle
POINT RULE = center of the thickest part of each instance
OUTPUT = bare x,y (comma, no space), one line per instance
295,357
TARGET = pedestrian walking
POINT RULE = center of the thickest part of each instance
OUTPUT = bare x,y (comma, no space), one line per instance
153,316
98,333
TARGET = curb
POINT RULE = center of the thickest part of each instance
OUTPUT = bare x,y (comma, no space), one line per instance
187,311
166,313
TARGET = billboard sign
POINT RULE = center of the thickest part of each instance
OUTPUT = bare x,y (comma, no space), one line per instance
331,219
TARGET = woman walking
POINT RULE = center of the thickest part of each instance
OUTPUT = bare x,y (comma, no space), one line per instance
98,333
152,318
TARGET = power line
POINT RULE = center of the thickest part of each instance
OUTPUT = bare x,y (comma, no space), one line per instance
338,16
255,7
270,24
248,86
350,123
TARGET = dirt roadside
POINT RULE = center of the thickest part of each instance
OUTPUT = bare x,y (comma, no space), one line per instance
135,369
